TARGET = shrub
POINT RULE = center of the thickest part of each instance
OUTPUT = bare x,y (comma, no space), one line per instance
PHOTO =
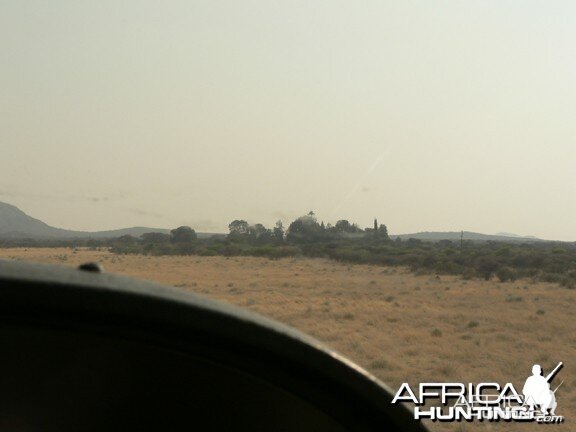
473,324
436,332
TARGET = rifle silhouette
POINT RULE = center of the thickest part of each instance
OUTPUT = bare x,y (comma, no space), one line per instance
557,387
556,369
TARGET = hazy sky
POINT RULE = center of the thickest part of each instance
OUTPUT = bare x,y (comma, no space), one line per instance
429,115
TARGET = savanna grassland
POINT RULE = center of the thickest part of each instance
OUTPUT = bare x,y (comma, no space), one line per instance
400,326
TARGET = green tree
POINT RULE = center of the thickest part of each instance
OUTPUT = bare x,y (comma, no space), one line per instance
257,230
238,227
383,232
345,227
278,232
183,235
305,229
259,234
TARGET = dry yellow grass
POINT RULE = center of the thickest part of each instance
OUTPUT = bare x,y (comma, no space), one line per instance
399,326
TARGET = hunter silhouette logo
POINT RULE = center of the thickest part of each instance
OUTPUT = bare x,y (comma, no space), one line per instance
537,390
486,401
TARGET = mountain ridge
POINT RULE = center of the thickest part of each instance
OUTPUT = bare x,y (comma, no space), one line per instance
15,224
468,235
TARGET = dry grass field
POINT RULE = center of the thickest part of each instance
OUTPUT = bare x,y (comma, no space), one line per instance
399,326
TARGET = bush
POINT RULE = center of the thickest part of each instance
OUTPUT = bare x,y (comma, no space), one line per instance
436,332
506,274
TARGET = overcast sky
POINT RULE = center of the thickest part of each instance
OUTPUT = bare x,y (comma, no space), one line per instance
429,115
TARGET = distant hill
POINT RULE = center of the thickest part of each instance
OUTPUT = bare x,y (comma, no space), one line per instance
15,224
505,234
468,235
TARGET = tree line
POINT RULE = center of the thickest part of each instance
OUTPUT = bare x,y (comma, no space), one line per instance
348,243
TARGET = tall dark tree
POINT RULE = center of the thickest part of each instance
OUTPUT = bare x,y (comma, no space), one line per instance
238,227
278,232
383,232
345,227
305,229
183,235
256,231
